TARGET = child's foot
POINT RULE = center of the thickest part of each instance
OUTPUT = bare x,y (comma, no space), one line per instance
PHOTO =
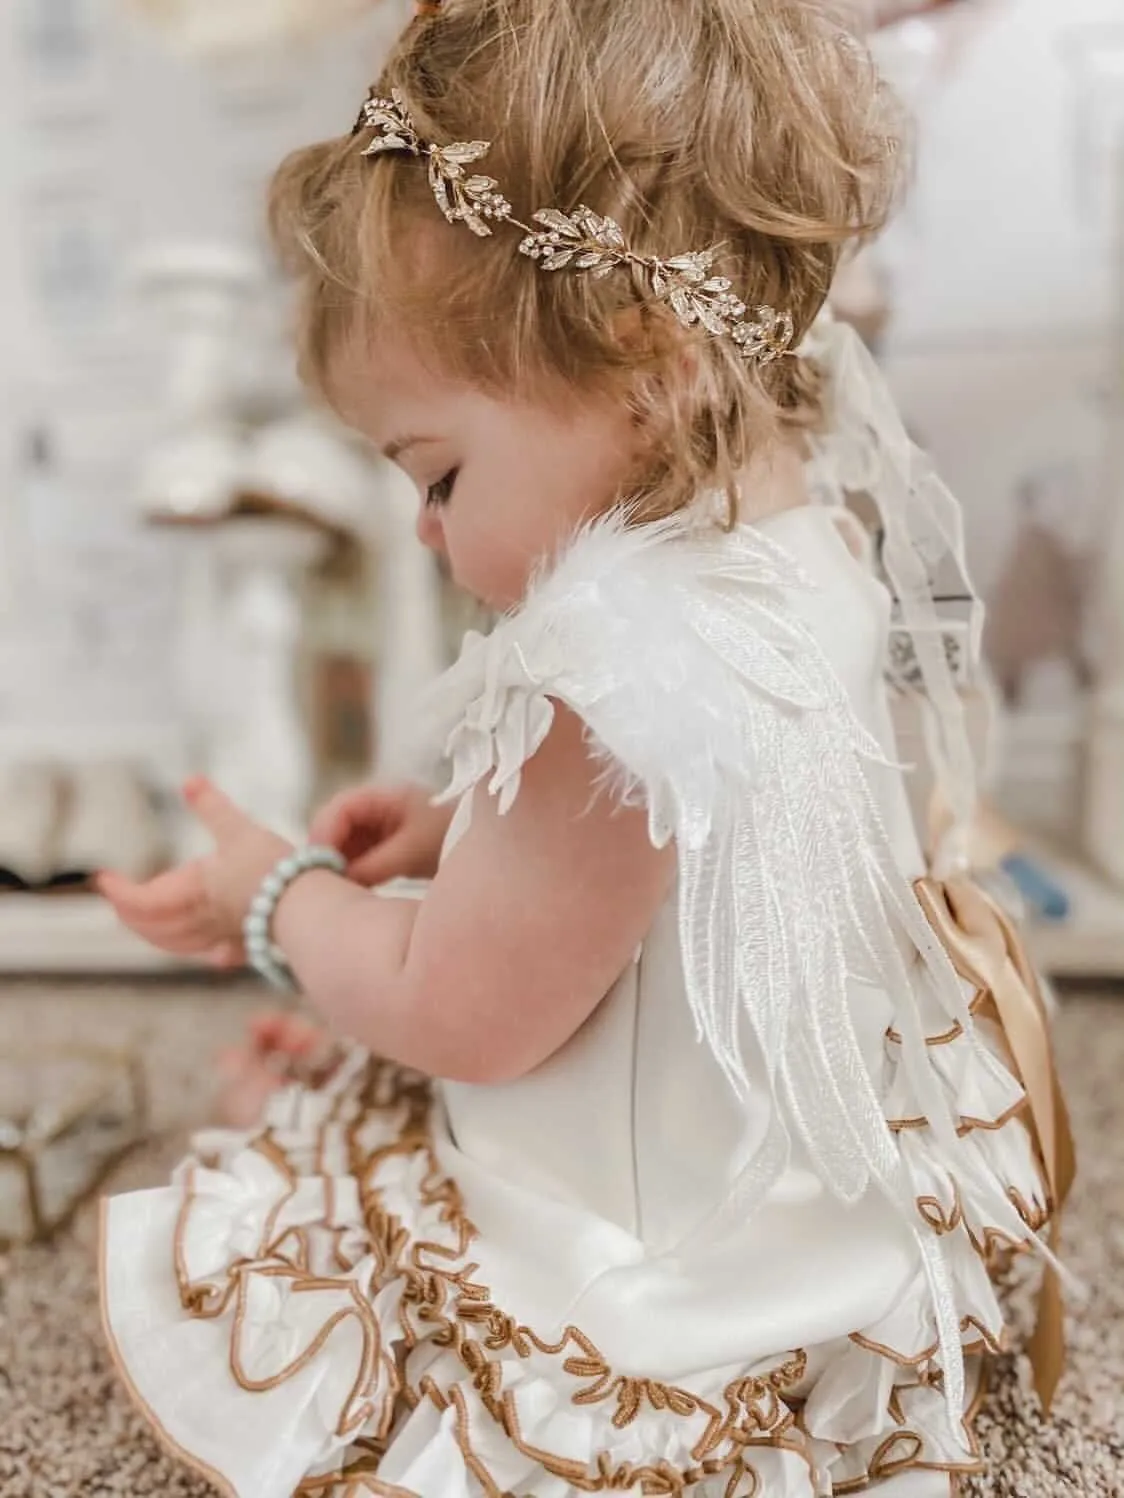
281,1048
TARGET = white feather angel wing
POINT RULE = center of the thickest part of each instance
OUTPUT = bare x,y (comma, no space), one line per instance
714,706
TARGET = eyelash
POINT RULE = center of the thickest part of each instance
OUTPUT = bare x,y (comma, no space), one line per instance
441,493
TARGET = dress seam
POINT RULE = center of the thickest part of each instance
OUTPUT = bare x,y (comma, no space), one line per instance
637,1213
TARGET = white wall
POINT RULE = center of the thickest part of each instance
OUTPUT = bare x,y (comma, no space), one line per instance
1006,233
1008,270
109,143
1006,264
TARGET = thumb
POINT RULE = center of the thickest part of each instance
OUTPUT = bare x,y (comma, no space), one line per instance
216,811
379,865
392,859
332,823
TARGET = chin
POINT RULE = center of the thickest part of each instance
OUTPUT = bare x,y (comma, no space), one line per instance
494,594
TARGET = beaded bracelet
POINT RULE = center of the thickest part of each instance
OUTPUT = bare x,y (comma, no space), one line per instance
261,954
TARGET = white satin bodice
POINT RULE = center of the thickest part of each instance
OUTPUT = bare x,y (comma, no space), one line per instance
632,1119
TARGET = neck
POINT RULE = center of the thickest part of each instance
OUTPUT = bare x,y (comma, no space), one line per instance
773,481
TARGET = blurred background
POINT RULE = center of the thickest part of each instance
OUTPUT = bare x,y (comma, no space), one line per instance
199,572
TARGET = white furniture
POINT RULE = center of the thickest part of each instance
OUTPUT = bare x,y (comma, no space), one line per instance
1091,942
238,715
242,626
241,638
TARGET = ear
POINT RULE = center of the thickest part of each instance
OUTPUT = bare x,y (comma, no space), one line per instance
654,336
664,356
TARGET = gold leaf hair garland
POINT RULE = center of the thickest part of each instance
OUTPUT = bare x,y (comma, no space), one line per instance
580,241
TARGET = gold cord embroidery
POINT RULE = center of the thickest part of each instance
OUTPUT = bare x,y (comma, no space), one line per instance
442,1302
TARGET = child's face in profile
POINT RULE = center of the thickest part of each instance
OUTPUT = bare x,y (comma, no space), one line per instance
501,484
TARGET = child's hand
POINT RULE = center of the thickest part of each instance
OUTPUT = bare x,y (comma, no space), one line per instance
384,833
197,910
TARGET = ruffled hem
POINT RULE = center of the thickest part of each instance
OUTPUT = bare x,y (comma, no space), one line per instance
324,1286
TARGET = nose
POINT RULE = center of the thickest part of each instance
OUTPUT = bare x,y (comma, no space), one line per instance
429,529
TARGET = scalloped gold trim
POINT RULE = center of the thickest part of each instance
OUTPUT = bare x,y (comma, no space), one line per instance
955,1031
442,1300
163,1436
966,1469
968,1124
933,1214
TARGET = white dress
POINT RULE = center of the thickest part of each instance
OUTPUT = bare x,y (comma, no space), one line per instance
603,1278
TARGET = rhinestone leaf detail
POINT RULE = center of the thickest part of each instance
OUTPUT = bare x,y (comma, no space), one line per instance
766,339
464,197
391,118
582,241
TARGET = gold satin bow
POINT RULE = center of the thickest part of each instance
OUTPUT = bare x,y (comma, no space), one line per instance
987,951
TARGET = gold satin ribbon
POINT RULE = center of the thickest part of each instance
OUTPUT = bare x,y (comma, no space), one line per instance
987,951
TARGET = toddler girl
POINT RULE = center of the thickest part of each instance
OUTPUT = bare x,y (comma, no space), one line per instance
735,1109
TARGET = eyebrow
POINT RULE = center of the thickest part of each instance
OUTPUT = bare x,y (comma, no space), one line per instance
394,450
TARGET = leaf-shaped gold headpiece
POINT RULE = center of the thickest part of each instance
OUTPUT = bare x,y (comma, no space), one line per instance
581,240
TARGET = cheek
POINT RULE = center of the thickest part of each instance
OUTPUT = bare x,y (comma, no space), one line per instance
586,465
491,546
539,481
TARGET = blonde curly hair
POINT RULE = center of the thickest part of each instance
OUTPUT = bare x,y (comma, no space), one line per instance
758,126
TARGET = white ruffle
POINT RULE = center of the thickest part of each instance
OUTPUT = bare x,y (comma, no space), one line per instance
970,1070
506,720
347,1310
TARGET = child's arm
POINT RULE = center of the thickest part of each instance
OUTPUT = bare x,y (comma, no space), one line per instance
528,924
530,921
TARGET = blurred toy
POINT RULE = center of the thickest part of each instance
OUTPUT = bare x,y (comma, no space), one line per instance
28,820
998,847
60,824
1038,610
66,1117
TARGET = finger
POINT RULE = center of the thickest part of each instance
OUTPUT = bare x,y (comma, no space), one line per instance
166,892
391,859
267,1028
195,915
333,822
264,1025
227,957
216,811
170,896
178,944
187,933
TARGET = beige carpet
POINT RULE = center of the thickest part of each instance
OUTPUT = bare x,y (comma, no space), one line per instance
67,1431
